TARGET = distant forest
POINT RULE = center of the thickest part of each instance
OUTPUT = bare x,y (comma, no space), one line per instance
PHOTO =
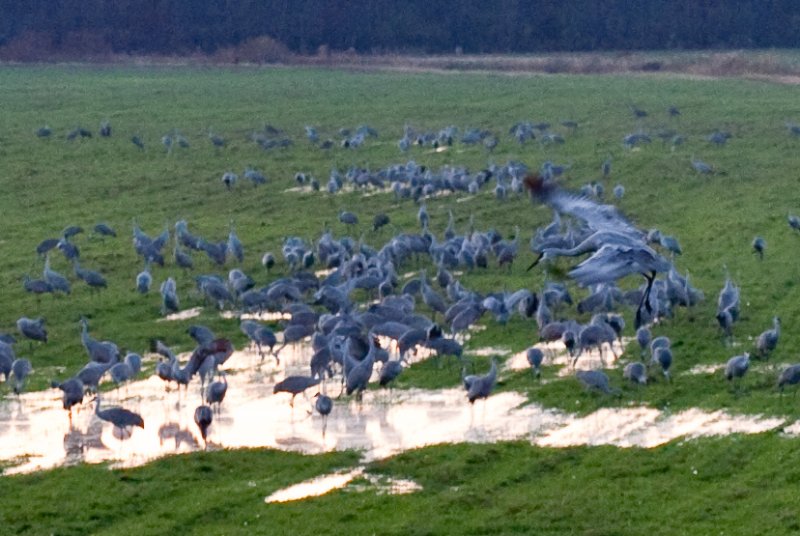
384,26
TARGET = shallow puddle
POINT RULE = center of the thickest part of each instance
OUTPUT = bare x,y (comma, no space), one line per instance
705,369
647,427
183,315
555,354
265,316
36,432
315,487
323,484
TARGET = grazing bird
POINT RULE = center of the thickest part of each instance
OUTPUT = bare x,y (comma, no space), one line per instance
295,385
119,417
481,386
358,375
759,245
73,390
138,142
635,372
6,360
91,374
134,361
20,369
389,372
535,357
32,329
71,231
216,391
255,176
202,418
728,307
348,218
643,337
662,356
701,167
90,277
323,405
789,376
55,279
70,250
268,260
595,380
216,140
103,229
794,222
422,216
36,286
430,297
105,352
120,373
379,221
182,259
768,340
737,366
169,297
144,280
606,167
235,247
229,179
46,245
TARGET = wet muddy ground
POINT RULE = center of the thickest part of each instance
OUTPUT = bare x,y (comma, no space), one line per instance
36,433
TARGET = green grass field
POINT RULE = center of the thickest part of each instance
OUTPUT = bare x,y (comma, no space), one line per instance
744,484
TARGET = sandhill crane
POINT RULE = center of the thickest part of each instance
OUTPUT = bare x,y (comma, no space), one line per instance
768,340
482,386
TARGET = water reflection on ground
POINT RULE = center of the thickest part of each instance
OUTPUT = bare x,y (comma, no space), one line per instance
37,433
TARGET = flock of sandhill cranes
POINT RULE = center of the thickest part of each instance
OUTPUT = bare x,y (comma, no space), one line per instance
362,300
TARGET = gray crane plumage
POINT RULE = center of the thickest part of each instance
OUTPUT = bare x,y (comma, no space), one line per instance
72,390
323,405
595,380
390,371
203,416
759,245
55,279
789,376
169,297
119,417
482,386
216,391
662,356
535,357
635,372
768,340
32,329
20,369
737,366
295,385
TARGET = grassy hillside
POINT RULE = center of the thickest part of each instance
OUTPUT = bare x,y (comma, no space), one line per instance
48,184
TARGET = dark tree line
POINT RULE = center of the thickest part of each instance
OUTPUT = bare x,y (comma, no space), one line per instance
183,26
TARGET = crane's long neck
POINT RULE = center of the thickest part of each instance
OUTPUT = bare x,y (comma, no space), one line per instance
87,341
492,376
584,247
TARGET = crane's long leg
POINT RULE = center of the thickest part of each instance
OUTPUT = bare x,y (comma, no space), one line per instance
535,262
645,300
